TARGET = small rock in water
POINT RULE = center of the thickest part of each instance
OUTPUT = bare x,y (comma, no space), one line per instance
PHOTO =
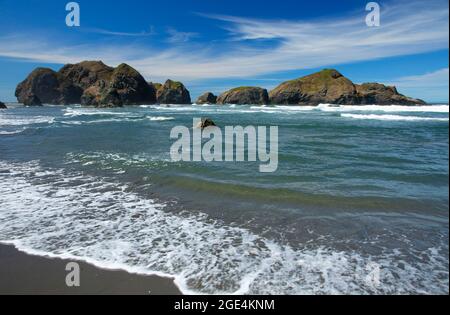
3,106
206,122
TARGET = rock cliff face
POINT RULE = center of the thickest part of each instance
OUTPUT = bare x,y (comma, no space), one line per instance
173,92
3,106
92,83
244,95
207,98
330,86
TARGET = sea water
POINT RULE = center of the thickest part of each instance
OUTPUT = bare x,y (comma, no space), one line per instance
359,203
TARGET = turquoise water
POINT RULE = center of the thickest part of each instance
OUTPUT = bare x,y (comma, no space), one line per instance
359,203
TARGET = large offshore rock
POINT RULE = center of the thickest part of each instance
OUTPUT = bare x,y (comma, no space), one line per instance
327,86
244,95
173,92
89,83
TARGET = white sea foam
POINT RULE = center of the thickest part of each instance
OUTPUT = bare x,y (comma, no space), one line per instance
367,108
160,118
72,215
11,120
392,117
14,132
385,108
71,112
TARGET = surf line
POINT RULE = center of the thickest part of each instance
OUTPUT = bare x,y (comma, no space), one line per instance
211,145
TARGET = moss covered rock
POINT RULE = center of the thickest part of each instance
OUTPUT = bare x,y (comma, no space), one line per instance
326,86
244,95
173,92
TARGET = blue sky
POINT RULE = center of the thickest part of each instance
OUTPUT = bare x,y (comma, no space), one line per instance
213,45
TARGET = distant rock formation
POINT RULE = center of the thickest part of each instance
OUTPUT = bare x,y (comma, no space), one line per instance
92,83
207,98
244,95
173,92
3,106
376,93
330,86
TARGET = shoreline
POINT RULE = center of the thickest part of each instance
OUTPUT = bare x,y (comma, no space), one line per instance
25,274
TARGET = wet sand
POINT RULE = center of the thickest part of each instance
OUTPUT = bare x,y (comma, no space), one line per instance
25,274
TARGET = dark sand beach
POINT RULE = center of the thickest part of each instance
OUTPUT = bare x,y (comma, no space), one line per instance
21,273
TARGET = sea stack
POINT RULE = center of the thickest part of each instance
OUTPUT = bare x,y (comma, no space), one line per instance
207,98
330,86
173,92
125,86
244,95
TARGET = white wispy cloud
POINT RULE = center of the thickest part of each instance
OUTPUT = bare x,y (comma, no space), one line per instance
116,33
433,86
179,37
407,28
438,78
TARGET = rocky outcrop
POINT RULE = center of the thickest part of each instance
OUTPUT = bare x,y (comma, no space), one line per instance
380,94
327,86
244,95
3,106
173,92
330,86
86,73
125,87
207,98
90,83
205,123
41,86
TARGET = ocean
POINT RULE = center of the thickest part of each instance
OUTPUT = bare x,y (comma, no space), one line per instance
359,203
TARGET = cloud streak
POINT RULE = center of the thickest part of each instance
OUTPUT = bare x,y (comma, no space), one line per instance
432,86
115,33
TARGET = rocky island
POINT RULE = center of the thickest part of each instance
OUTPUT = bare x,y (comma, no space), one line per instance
330,86
244,95
92,83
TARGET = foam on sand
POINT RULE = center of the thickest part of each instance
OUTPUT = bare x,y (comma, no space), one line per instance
65,214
